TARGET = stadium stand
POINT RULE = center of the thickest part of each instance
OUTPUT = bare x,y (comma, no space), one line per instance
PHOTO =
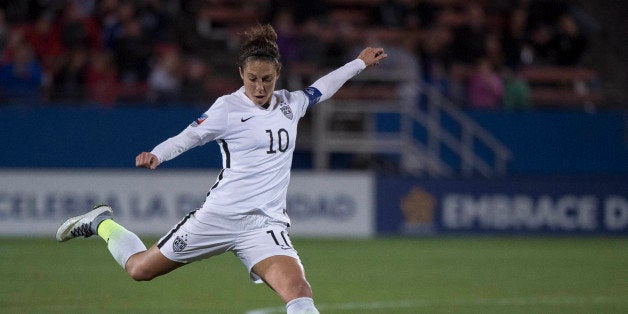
67,38
156,53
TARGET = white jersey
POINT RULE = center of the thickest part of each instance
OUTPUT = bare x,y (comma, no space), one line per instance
257,145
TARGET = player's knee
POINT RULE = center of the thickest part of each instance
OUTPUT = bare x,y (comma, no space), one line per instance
299,288
139,273
304,289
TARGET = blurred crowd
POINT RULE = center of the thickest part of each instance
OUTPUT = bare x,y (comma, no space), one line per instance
161,52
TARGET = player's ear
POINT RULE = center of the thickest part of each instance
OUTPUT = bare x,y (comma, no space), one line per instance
241,72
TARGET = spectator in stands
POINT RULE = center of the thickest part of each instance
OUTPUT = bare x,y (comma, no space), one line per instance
288,41
15,39
310,44
197,34
113,15
196,74
432,50
336,47
569,43
164,81
469,41
79,31
21,77
486,89
102,79
457,87
540,38
69,83
493,50
392,13
286,35
154,20
45,38
516,91
403,62
132,52
325,41
514,39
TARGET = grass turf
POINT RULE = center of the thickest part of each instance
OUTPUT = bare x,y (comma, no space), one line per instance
386,275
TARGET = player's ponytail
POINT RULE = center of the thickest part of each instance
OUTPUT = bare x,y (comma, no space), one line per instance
259,43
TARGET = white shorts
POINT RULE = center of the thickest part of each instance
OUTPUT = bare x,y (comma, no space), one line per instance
252,237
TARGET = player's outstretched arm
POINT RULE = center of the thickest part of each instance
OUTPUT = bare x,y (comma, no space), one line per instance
146,160
329,84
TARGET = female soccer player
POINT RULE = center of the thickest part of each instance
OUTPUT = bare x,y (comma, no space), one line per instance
245,210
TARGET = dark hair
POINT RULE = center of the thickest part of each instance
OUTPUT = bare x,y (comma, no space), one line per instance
260,43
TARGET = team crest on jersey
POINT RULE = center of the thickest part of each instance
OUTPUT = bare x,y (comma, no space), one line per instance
200,120
180,243
285,109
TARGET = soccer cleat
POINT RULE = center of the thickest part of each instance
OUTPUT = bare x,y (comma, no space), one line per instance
84,225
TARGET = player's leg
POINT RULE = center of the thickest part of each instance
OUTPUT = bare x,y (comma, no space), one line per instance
125,246
129,251
268,254
285,275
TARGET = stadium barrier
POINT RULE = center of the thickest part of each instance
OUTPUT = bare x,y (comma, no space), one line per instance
544,143
35,202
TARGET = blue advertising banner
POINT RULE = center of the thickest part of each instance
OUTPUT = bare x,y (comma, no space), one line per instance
539,205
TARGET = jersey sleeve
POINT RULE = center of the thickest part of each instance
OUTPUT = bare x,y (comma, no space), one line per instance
300,101
328,85
208,127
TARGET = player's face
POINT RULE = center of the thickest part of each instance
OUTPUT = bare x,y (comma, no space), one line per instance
259,79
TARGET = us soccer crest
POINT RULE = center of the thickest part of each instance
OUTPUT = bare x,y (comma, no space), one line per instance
180,243
285,109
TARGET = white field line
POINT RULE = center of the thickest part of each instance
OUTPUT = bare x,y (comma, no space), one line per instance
514,301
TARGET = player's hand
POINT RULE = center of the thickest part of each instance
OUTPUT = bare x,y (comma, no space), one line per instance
372,56
146,160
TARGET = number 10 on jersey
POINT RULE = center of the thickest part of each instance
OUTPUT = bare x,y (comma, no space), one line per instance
283,140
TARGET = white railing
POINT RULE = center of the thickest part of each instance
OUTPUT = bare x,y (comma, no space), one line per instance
418,155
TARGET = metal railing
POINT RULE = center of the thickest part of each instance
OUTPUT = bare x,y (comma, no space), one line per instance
419,155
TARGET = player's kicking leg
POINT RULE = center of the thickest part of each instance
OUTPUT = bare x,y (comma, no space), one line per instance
125,247
121,242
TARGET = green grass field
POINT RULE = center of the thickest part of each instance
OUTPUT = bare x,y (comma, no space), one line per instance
433,275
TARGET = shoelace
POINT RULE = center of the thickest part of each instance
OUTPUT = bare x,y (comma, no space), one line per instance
82,230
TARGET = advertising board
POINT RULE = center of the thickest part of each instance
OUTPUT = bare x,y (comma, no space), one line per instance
35,202
541,205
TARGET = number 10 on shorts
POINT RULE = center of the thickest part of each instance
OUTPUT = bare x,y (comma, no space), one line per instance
284,244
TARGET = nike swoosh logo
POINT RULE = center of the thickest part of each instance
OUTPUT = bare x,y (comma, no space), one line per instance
244,120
